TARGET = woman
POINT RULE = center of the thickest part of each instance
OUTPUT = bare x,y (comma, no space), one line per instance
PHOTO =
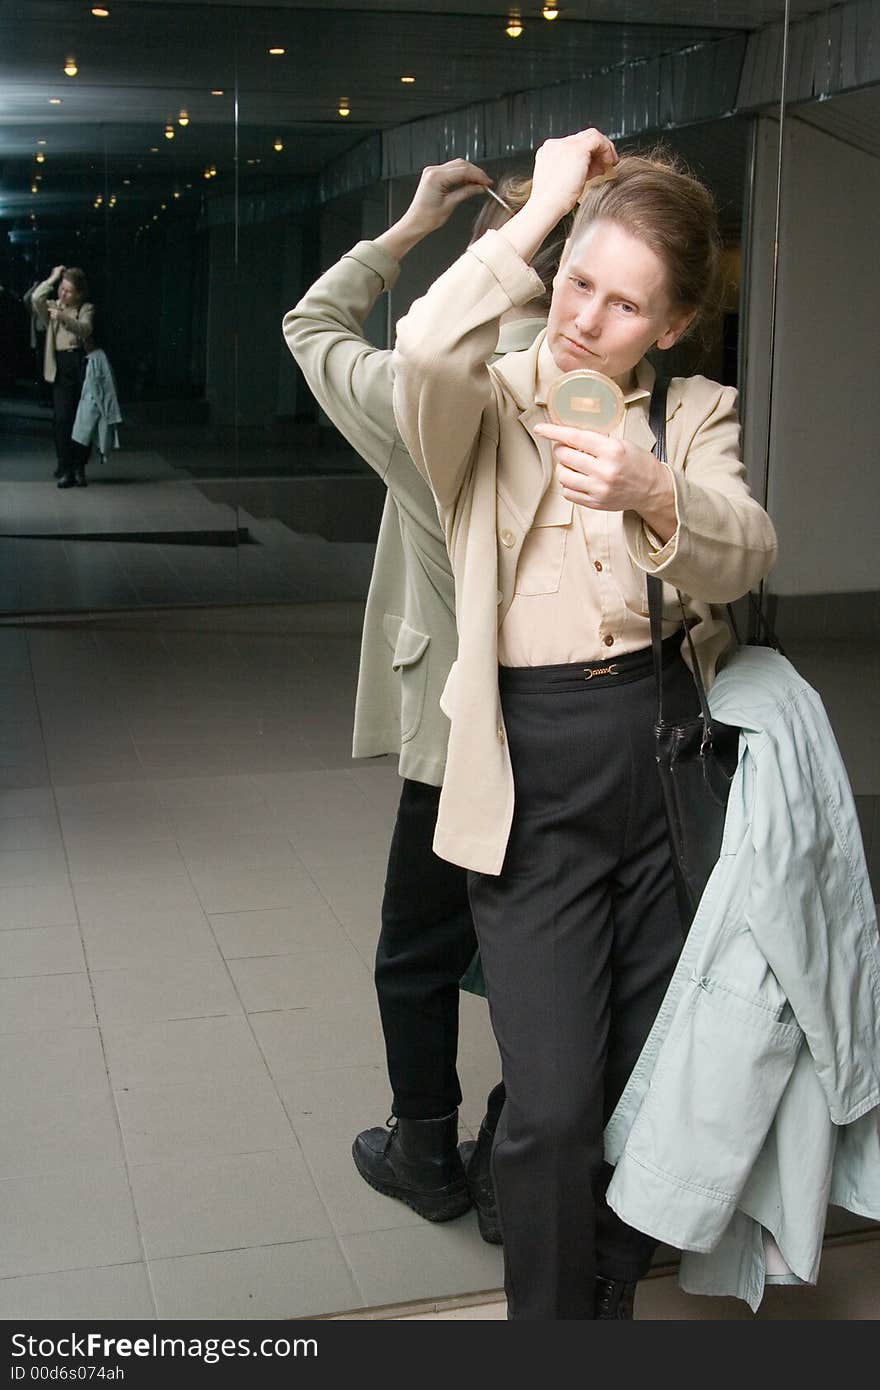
551,796
69,321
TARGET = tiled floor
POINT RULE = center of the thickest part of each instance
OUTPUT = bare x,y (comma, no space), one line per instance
190,873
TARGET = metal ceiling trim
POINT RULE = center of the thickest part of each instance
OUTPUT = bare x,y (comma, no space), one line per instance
834,51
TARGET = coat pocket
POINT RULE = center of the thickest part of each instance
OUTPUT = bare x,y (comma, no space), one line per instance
539,569
714,1093
408,660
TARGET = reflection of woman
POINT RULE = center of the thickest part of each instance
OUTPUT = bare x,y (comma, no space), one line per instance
69,321
551,796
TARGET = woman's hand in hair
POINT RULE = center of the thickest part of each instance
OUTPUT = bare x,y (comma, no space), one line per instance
562,167
440,190
608,474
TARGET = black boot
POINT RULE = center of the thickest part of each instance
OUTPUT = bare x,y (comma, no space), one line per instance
614,1299
67,480
417,1162
475,1155
79,477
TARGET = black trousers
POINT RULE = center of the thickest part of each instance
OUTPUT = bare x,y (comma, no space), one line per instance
66,388
579,936
426,943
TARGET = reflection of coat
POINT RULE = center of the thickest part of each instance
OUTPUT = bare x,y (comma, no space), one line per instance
98,411
754,1103
409,636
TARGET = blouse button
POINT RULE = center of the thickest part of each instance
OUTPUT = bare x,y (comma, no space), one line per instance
500,732
598,566
507,538
609,640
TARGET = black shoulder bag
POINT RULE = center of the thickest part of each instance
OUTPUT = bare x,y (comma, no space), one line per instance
697,757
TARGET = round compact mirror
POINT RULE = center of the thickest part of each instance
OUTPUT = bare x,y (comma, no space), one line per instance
587,399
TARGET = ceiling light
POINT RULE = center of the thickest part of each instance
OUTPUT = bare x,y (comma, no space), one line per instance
34,188
99,200
70,68
279,145
550,12
41,142
54,101
514,25
344,108
154,149
41,158
126,181
408,80
216,91
99,12
176,193
276,52
183,118
169,132
113,201
213,171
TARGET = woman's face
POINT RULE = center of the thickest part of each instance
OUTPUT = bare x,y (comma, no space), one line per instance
610,303
67,295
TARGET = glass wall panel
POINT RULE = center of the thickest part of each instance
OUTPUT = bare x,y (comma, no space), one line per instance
118,141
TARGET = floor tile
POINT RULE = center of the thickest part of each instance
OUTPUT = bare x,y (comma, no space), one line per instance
278,931
29,832
297,1280
52,1133
320,980
45,1002
106,798
194,1206
178,792
208,1118
111,1293
181,1051
28,802
207,854
39,866
243,890
100,863
164,989
304,1040
67,1221
428,1261
41,951
65,1061
114,900
37,905
149,935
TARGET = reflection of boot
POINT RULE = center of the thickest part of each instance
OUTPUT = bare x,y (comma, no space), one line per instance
417,1162
67,480
476,1157
614,1299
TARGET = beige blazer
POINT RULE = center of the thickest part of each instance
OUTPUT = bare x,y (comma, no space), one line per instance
409,635
80,322
469,427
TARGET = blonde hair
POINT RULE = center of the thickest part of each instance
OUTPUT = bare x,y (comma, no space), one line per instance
658,200
516,189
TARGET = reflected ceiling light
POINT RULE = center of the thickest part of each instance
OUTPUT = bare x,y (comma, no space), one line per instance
34,188
154,149
169,132
99,200
183,118
99,12
162,207
344,107
70,68
41,158
408,80
278,145
41,142
277,52
176,193
216,91
54,101
206,174
550,12
514,25
126,181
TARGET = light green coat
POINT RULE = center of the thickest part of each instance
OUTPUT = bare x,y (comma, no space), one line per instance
409,636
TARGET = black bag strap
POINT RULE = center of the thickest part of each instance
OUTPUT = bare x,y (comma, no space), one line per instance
657,421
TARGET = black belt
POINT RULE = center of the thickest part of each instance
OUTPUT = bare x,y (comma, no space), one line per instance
574,675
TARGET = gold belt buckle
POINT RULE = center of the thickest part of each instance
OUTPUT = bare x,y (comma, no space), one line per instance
592,671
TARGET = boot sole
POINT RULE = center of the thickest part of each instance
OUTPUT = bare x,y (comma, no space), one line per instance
449,1202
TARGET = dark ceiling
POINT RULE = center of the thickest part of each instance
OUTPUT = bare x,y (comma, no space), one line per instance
145,62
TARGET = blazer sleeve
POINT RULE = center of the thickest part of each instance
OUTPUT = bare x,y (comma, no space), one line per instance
442,383
349,377
724,543
39,301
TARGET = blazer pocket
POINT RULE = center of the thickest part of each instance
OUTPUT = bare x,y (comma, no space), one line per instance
539,569
408,647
